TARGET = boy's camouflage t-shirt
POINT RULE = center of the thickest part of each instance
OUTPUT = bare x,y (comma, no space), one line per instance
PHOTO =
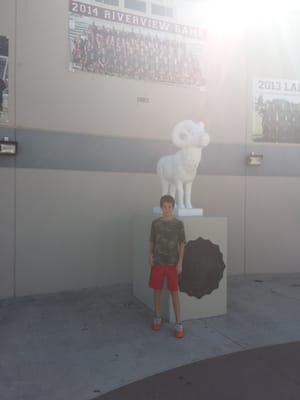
165,236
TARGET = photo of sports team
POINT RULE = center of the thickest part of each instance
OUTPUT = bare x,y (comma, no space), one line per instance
280,120
132,55
3,80
134,52
276,110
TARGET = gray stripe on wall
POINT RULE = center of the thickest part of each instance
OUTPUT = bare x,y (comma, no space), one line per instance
278,160
85,152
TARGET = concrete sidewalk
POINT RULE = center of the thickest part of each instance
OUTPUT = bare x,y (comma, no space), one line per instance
77,345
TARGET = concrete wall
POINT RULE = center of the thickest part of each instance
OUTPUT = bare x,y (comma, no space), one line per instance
272,219
88,150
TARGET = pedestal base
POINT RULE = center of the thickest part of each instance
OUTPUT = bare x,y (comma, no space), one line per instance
214,229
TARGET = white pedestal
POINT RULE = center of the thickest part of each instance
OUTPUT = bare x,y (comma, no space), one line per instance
212,228
181,212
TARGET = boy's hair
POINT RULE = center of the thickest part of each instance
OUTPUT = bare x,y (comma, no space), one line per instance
167,199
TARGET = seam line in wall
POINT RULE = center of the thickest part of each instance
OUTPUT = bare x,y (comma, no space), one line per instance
15,159
245,154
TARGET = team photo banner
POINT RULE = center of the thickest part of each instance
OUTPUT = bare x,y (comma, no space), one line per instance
3,80
276,110
115,43
89,10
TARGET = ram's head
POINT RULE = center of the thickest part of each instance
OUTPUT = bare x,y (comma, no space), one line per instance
190,134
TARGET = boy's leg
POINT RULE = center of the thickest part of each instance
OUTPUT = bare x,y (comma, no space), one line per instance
157,319
176,305
179,332
156,298
156,283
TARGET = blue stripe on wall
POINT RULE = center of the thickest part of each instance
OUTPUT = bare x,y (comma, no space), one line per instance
85,152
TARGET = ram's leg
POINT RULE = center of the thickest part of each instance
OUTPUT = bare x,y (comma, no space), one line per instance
188,195
179,187
164,186
172,190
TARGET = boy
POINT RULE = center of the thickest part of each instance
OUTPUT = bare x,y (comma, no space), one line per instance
167,240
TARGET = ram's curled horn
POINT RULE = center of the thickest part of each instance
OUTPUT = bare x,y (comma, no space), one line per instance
182,133
200,127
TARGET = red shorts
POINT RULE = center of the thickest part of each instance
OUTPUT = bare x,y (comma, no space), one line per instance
157,277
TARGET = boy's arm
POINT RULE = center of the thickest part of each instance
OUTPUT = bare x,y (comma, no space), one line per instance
151,253
151,247
181,253
181,245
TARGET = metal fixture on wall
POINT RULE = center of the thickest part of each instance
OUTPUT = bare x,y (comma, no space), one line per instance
8,147
254,160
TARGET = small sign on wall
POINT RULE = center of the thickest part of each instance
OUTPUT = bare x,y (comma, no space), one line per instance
3,80
276,110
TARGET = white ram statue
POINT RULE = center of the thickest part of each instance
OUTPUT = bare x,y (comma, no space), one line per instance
178,171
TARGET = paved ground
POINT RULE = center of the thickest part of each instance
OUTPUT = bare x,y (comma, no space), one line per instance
77,345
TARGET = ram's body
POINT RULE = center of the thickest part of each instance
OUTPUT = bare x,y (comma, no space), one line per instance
180,166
